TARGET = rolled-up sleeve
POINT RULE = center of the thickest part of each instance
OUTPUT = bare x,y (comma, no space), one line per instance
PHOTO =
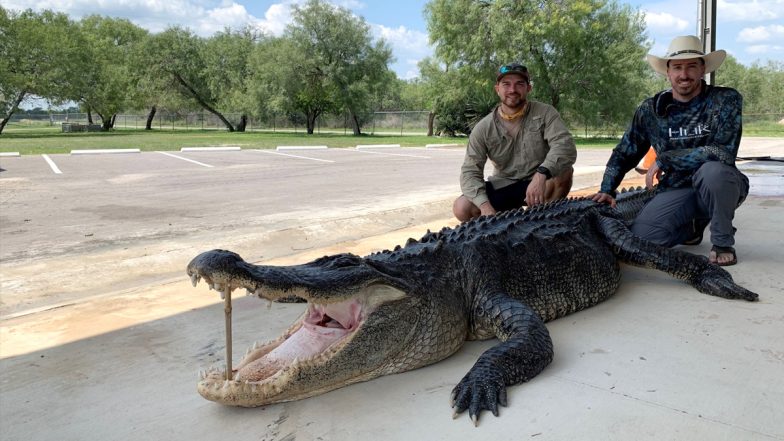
472,177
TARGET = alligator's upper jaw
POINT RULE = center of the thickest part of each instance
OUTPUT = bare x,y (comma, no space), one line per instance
305,360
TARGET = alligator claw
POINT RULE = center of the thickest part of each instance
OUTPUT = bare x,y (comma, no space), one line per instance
478,391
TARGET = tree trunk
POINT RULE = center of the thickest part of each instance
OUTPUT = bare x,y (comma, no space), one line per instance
355,125
243,123
201,101
14,107
431,118
110,125
311,121
150,118
90,116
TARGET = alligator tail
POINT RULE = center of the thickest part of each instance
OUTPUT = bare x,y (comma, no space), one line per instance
696,270
629,202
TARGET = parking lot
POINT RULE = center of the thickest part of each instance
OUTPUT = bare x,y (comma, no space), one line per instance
73,225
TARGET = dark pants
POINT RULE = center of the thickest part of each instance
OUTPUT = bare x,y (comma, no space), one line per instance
507,198
717,190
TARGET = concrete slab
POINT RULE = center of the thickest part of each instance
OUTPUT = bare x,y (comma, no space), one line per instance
658,361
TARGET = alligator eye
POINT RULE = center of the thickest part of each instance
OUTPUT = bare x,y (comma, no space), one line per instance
344,260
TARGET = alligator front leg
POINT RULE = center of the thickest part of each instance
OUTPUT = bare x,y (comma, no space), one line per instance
525,350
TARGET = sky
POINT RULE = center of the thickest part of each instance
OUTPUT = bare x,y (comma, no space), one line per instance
750,30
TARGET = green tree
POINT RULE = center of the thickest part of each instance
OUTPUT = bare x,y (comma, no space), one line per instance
226,58
585,56
341,68
459,96
176,55
109,82
40,54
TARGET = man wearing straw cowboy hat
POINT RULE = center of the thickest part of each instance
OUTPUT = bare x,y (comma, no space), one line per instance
695,129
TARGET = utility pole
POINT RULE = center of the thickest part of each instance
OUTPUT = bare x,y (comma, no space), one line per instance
706,30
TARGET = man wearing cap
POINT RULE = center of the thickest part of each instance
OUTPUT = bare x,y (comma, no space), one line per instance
529,146
695,130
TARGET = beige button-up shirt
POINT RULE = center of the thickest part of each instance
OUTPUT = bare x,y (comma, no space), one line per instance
542,140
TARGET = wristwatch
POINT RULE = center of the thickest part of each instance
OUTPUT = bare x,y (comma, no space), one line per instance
543,170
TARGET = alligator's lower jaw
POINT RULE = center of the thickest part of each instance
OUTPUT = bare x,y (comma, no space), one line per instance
269,373
279,382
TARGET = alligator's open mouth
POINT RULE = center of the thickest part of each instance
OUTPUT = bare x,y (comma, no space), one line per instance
273,371
322,329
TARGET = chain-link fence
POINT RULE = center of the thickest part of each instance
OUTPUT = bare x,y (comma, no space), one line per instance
379,123
385,123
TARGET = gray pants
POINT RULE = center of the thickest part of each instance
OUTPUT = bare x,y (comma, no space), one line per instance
717,190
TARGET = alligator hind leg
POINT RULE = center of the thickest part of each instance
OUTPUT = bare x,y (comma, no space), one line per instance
696,270
525,350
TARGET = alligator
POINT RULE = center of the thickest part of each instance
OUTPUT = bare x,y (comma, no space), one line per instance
500,276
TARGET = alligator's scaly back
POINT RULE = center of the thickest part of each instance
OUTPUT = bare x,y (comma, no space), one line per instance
501,276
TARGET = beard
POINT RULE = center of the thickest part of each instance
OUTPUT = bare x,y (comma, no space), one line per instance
513,101
686,88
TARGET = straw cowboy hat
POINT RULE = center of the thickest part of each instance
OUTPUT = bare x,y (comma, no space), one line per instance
683,48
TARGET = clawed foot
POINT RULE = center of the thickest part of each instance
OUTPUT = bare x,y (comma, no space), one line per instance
478,391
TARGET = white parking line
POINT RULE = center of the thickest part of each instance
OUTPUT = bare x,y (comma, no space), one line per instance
185,159
386,154
293,156
52,164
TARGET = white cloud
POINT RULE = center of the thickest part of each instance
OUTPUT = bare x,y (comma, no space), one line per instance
754,10
408,45
762,49
230,15
277,17
761,34
664,21
410,41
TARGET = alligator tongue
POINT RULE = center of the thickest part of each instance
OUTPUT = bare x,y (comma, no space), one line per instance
323,326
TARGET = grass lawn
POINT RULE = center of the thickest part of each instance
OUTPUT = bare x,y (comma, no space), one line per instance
38,140
32,140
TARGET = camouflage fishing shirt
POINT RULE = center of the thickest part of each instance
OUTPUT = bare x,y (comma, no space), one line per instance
684,136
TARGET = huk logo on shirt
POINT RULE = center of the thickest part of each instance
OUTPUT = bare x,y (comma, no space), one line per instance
690,131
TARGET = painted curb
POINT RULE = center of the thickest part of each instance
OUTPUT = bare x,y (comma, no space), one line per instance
377,146
301,147
434,146
103,151
9,153
211,149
